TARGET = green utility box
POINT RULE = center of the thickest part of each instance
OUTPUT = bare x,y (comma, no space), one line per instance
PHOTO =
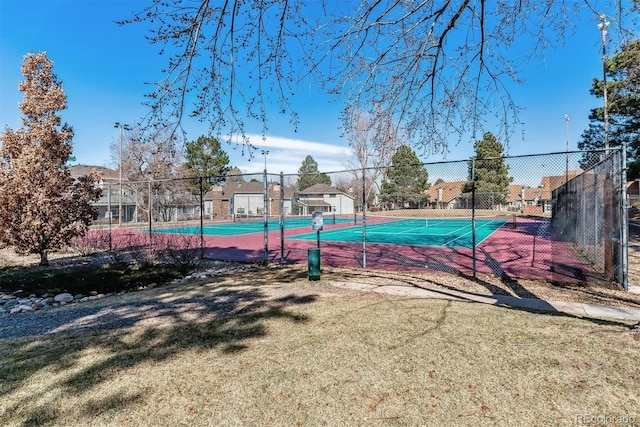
313,256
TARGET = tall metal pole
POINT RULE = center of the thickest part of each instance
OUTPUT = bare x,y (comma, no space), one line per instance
120,179
624,223
150,217
473,213
603,26
264,209
126,127
281,217
364,215
566,134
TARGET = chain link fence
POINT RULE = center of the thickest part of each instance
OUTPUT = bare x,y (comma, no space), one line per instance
557,217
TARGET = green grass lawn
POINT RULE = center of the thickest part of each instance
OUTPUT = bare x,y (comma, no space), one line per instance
307,359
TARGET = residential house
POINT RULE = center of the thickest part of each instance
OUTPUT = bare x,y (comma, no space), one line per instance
550,183
170,200
524,199
109,202
446,195
326,199
246,199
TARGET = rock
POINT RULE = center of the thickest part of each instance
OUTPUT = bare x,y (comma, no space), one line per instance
48,301
24,307
64,297
2,310
10,303
24,300
78,296
15,310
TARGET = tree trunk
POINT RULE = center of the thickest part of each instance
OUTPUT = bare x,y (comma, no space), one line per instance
44,260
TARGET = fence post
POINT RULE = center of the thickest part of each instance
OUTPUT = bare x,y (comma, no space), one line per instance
364,218
266,218
109,214
201,219
150,225
473,213
282,217
624,219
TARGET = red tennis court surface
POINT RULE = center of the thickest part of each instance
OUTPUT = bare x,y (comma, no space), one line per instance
529,251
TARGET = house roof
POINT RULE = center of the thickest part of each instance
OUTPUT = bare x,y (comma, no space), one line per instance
228,190
550,183
320,189
450,190
514,193
83,170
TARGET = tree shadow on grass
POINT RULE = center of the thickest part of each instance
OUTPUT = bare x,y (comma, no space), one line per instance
227,321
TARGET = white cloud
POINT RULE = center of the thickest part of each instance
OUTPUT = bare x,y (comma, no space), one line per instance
286,155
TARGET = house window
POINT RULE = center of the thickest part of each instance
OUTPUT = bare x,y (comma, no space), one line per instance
333,196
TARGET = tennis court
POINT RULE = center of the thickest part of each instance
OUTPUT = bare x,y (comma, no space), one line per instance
250,225
455,232
528,249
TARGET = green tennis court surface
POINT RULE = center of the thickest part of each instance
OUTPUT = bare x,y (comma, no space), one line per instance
248,226
413,232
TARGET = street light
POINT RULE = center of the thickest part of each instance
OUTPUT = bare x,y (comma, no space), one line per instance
125,127
603,26
566,135
264,153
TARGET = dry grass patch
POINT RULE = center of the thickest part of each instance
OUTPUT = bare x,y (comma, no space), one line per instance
357,359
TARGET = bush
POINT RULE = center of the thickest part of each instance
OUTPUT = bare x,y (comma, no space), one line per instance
180,250
91,243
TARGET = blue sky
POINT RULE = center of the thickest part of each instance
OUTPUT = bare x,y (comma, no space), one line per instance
104,68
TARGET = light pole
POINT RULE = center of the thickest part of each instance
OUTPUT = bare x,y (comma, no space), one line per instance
265,153
125,127
603,26
566,136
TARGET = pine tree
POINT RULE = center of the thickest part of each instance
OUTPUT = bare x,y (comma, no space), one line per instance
406,179
205,158
623,106
41,206
310,175
491,172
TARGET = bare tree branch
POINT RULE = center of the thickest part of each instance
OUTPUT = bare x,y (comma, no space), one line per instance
439,69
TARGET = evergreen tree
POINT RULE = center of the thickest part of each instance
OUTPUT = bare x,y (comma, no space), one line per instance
205,158
623,107
491,173
406,179
310,175
41,206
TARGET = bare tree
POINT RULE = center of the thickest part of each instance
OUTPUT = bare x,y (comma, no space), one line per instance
42,207
153,159
373,139
438,68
